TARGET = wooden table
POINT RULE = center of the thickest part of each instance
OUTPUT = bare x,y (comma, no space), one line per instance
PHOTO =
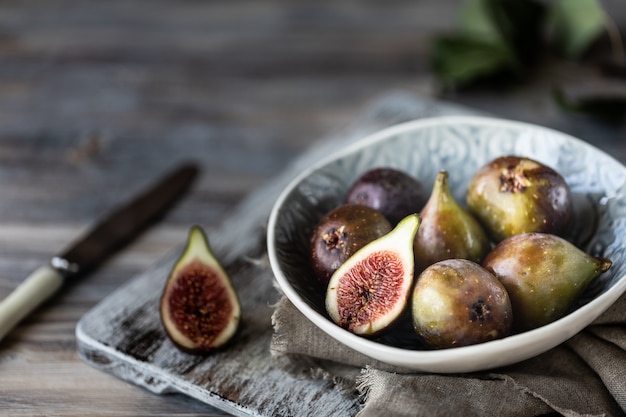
97,99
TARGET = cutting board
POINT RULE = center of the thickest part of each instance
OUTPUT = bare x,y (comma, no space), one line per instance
123,335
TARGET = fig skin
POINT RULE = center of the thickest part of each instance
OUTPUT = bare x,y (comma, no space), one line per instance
512,195
544,275
340,233
448,231
394,193
457,302
369,292
199,307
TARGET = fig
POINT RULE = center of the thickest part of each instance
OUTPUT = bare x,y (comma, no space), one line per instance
544,275
199,308
370,290
448,230
340,233
457,302
394,193
512,195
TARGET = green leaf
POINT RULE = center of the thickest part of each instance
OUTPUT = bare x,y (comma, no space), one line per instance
576,24
494,37
518,25
458,60
521,24
477,21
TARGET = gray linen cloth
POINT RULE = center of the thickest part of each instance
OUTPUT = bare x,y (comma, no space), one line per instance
585,376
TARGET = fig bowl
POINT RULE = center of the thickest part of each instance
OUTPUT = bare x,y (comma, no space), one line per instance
459,145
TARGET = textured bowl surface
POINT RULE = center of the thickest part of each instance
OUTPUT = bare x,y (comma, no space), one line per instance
459,145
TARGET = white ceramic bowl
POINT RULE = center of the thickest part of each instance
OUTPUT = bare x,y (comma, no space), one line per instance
460,145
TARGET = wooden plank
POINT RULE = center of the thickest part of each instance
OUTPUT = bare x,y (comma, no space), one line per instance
98,98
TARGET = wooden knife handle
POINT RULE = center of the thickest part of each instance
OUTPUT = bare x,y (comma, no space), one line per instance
35,289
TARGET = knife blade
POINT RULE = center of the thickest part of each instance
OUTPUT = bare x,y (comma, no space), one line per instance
106,237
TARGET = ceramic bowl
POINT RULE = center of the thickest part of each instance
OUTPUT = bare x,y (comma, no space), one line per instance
459,145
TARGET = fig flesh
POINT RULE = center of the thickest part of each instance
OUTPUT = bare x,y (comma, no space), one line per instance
394,193
199,307
369,291
447,231
512,195
457,302
342,232
543,274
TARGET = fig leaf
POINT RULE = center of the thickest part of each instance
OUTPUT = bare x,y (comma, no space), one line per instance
576,24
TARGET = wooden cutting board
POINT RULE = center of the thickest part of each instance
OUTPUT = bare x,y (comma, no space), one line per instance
123,334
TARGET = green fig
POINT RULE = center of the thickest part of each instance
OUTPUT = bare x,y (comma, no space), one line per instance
457,302
512,195
340,233
370,290
447,230
199,307
543,274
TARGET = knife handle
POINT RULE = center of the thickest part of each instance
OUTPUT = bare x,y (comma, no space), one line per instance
33,291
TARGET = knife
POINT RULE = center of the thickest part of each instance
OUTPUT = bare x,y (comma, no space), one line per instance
104,239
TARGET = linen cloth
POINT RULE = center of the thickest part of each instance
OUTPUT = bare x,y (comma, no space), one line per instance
585,376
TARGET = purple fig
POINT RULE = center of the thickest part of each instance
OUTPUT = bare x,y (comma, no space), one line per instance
394,193
340,233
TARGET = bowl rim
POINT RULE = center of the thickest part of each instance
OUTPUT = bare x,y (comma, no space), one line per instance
486,355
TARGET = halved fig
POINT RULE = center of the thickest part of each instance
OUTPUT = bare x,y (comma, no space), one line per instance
370,290
200,309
